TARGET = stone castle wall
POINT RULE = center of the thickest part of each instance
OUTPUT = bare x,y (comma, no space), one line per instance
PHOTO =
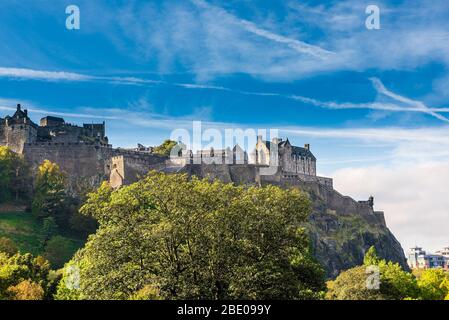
67,134
78,160
127,166
14,136
250,175
300,165
236,173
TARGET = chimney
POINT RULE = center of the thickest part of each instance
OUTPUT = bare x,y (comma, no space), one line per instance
18,107
307,146
26,112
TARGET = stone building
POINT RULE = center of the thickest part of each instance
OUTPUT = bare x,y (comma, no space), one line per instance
292,159
17,130
228,156
289,163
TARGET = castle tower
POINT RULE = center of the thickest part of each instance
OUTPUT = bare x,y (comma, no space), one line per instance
18,130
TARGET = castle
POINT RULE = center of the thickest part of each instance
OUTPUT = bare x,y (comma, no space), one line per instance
84,152
289,164
18,131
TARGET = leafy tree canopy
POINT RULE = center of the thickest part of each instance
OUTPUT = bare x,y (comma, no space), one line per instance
351,285
354,284
50,198
165,148
13,175
434,284
175,237
21,275
57,251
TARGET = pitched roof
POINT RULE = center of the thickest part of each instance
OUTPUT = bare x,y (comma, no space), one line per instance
20,114
302,152
298,151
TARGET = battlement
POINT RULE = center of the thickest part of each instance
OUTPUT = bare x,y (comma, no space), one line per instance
328,182
120,151
47,144
130,166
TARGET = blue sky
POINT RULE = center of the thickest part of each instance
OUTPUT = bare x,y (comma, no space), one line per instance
373,103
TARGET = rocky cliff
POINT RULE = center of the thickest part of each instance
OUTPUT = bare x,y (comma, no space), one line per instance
341,229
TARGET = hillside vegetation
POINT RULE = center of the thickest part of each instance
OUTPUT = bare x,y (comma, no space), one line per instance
28,235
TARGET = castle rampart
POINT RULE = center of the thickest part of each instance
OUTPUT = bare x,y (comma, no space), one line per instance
78,160
84,152
127,166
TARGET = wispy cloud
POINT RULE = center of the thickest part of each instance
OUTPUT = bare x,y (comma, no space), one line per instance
45,75
410,104
21,73
299,46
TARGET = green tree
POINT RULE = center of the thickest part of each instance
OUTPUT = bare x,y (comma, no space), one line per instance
149,292
58,251
371,258
8,246
397,284
49,228
394,282
434,284
351,285
194,239
13,175
79,223
50,198
68,287
22,267
165,148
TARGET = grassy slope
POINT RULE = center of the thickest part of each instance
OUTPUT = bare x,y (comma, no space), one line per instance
26,232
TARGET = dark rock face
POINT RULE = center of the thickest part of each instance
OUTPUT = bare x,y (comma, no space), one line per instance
344,248
341,229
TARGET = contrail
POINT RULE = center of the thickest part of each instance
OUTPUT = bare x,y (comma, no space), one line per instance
418,105
299,46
